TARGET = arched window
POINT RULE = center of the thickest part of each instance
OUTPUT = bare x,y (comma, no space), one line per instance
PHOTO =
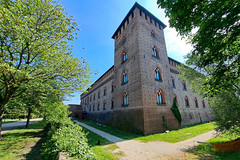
186,102
124,56
105,91
196,102
112,106
93,107
160,97
153,33
173,83
104,105
90,108
158,74
154,52
123,39
184,85
98,93
175,97
203,103
98,106
125,98
124,77
112,86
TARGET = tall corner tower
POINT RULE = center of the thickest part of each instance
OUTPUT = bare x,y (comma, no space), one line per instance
143,92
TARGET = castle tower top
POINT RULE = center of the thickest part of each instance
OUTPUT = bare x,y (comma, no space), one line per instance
131,13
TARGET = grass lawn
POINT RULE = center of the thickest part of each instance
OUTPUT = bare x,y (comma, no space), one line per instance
104,150
181,134
172,137
17,144
207,151
112,131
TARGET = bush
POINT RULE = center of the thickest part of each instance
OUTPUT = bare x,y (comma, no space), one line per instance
176,112
64,135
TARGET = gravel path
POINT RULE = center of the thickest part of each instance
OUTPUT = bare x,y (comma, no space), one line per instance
137,150
13,125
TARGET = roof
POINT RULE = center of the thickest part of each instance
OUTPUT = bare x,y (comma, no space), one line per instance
136,5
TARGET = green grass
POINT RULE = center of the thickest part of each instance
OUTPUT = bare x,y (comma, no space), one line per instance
179,135
104,150
112,131
207,151
172,137
14,142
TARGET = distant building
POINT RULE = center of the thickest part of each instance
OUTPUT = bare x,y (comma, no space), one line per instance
136,94
76,110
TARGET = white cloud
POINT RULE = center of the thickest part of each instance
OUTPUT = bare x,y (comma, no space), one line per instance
177,48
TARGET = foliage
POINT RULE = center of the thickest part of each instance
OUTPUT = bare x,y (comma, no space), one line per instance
225,106
176,112
34,36
64,135
207,151
179,135
226,110
212,27
70,139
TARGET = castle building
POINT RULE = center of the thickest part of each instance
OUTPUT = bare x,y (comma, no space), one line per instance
137,92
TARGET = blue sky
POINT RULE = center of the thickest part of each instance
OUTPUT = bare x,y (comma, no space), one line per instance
98,20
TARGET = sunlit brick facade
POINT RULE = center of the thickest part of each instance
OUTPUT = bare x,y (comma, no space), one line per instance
137,92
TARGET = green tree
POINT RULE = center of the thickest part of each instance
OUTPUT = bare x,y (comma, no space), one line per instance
176,112
213,29
225,106
34,36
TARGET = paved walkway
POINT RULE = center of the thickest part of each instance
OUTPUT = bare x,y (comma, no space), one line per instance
14,125
105,135
135,150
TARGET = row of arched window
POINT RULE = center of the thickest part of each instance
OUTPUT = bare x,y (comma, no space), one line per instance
98,108
160,98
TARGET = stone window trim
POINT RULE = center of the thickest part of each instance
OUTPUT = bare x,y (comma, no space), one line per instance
105,91
196,102
98,107
124,56
155,53
160,97
158,75
153,34
124,99
175,97
112,87
203,103
184,86
173,82
104,105
124,77
186,102
123,40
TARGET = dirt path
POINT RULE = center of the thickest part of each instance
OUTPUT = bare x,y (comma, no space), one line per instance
136,150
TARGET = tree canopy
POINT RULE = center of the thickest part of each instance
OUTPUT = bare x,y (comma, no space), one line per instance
213,29
34,36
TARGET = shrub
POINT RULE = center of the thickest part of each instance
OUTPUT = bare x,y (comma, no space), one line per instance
176,112
64,135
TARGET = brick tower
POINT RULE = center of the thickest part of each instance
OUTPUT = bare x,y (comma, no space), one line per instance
143,92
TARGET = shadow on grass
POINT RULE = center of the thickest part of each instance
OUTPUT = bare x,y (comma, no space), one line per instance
205,152
35,153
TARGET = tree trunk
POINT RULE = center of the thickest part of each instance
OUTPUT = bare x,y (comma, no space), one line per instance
1,117
28,117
